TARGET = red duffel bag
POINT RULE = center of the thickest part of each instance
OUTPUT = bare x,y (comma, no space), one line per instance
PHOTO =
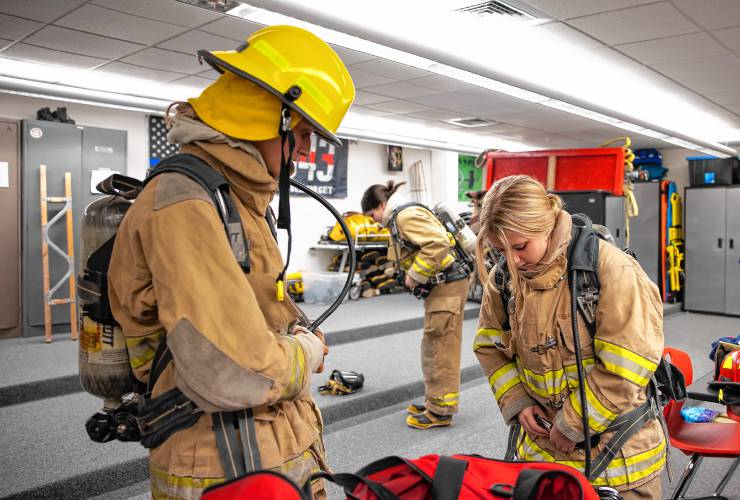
441,478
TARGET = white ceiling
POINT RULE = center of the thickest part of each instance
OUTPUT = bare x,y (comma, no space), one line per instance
685,41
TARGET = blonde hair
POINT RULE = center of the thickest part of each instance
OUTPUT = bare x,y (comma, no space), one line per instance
518,204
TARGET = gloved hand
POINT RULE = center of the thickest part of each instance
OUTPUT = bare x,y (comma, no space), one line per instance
313,346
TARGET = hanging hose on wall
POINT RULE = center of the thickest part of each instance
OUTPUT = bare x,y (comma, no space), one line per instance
629,192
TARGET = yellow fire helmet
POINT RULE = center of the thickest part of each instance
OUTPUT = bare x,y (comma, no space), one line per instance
294,65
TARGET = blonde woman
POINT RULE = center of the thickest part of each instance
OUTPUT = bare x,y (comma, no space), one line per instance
527,350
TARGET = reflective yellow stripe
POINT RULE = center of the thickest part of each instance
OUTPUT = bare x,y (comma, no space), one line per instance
620,471
504,379
421,271
271,54
486,337
299,369
572,374
599,417
447,260
625,363
450,399
420,262
164,485
548,384
141,350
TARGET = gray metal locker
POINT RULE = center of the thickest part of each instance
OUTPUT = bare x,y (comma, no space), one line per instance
10,244
705,230
62,148
614,219
645,228
732,252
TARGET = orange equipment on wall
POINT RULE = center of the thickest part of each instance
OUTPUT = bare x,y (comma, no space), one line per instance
562,169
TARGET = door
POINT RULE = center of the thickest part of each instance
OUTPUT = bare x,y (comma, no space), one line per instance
614,218
59,147
103,151
732,261
705,249
645,228
10,245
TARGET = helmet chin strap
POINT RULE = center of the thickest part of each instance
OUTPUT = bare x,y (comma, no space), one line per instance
283,221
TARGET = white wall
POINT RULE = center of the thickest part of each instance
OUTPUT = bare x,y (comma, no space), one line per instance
674,159
133,122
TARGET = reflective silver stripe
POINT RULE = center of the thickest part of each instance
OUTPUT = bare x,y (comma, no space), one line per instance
599,416
625,363
548,384
504,379
485,337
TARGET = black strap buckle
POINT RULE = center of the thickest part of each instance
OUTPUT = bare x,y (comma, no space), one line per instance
587,303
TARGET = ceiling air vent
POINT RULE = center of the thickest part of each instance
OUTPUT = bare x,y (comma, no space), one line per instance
471,122
495,7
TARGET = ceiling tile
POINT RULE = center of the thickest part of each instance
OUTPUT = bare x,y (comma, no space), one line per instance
209,74
132,71
711,74
730,37
401,107
27,52
362,110
391,69
232,27
39,10
443,83
439,114
454,100
16,28
350,56
169,11
364,79
401,90
675,48
565,9
562,33
634,25
711,14
53,37
166,60
728,97
492,110
192,81
735,108
190,42
101,21
363,98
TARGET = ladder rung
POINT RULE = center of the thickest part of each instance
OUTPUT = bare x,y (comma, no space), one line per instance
56,199
56,302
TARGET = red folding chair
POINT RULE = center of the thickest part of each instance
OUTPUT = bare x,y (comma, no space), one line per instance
699,440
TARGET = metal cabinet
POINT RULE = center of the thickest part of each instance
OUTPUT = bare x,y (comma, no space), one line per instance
601,207
645,229
62,148
712,238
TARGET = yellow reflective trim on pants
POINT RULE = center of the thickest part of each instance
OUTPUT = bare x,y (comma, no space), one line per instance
486,337
504,379
141,350
166,486
625,363
620,471
599,416
450,399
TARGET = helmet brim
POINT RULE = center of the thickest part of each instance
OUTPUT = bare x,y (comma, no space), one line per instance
220,65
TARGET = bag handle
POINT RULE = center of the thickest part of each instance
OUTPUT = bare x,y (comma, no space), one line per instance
448,478
349,482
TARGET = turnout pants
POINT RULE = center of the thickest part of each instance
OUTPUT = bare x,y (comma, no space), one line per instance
441,344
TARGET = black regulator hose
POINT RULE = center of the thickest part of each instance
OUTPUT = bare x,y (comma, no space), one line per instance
581,375
352,257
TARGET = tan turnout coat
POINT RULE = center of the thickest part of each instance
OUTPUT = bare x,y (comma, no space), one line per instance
619,361
173,273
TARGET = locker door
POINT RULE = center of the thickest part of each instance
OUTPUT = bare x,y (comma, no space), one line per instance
614,218
705,249
10,219
645,228
102,148
732,262
58,146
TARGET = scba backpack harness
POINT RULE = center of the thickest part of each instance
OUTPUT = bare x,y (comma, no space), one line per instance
667,383
153,420
461,268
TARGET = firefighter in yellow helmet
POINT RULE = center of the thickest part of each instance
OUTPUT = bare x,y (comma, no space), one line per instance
223,335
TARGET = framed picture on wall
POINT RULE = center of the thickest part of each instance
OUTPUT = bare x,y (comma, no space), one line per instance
395,159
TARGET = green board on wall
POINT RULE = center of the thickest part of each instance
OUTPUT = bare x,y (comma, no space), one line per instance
469,178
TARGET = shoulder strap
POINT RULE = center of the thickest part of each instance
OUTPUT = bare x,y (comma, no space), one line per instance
216,185
583,257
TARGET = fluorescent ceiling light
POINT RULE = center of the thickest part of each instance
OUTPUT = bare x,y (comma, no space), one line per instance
530,64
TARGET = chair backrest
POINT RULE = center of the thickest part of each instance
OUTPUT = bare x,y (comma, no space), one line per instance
682,361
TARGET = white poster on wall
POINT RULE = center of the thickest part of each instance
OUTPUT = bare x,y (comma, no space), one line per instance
4,175
98,175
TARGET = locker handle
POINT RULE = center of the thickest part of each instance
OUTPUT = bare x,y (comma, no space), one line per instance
719,242
617,232
732,243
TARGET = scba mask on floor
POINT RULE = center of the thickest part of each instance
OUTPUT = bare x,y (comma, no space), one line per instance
342,382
